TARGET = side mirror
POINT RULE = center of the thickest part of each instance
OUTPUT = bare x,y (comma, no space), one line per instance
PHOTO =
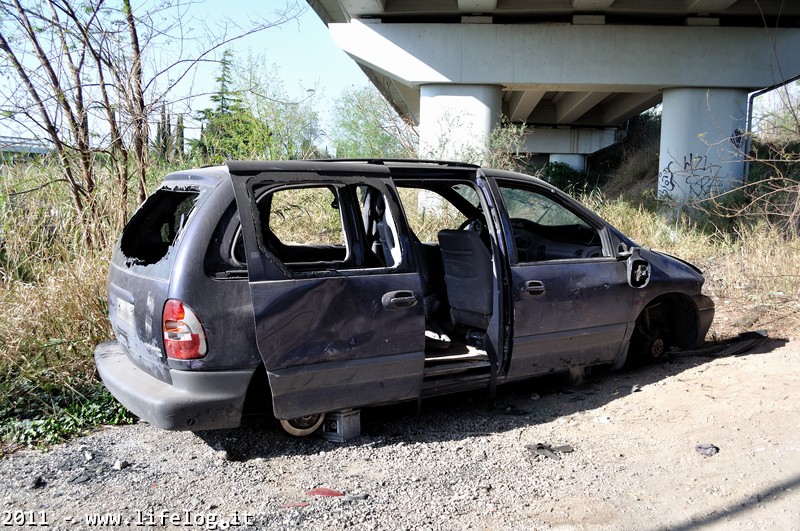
638,270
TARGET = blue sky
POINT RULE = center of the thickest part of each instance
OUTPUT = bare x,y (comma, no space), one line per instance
302,50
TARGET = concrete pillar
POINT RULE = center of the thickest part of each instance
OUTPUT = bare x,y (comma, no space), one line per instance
455,120
576,162
701,143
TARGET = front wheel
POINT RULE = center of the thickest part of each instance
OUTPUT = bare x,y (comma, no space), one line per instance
302,426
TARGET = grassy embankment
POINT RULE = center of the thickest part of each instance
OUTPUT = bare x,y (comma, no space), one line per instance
53,303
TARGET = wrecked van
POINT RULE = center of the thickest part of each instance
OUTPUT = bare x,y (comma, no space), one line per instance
307,287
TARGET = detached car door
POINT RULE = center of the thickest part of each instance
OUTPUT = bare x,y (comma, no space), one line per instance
337,305
572,301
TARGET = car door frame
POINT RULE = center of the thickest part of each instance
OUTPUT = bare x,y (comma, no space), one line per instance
366,343
555,348
496,341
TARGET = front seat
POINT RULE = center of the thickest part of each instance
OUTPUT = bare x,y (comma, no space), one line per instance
468,276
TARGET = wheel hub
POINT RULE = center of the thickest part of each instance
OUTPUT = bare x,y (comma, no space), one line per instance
657,349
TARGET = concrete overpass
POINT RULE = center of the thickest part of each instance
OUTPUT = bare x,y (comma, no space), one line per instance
574,71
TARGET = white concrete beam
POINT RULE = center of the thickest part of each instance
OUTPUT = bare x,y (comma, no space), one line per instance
358,8
521,104
573,105
330,11
476,19
368,45
592,5
708,6
587,20
576,162
582,141
410,97
477,6
623,107
608,58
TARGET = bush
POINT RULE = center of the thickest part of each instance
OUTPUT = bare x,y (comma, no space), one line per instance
563,176
52,311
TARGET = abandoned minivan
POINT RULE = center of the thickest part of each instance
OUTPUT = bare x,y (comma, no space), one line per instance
302,288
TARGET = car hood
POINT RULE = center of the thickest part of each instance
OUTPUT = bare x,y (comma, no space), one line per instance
681,260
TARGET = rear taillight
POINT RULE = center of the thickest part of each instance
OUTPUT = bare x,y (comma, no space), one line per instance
184,337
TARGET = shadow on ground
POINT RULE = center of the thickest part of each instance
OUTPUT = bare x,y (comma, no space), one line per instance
469,414
744,505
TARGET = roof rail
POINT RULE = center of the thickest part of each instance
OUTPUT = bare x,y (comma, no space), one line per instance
381,161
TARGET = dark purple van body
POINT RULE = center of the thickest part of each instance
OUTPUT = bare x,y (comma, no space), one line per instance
305,287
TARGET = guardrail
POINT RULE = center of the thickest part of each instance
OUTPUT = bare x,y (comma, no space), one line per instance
24,146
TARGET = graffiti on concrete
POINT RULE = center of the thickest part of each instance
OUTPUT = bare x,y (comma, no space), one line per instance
695,177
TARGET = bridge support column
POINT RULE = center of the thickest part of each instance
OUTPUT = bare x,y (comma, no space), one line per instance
702,133
456,120
575,161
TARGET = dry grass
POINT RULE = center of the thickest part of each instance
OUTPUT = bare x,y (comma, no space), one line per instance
750,265
53,299
427,213
634,177
50,327
52,311
53,302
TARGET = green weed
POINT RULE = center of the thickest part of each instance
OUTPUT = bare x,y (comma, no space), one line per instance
36,415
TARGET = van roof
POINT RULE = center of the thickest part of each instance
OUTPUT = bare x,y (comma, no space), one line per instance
397,168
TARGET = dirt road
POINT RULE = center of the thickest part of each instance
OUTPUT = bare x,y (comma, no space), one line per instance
459,464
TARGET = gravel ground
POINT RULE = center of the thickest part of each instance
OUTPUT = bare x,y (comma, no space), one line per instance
458,463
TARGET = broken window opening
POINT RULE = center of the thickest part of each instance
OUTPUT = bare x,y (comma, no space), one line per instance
156,226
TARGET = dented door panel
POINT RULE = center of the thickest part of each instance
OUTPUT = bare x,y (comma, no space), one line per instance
306,321
327,339
568,314
330,343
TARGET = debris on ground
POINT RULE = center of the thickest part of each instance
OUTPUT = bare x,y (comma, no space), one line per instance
707,449
324,491
548,451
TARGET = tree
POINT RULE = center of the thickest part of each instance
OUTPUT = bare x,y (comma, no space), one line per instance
179,139
52,97
366,126
230,130
777,114
254,118
294,131
88,76
163,140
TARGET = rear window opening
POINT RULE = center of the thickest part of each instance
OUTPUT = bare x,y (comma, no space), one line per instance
151,232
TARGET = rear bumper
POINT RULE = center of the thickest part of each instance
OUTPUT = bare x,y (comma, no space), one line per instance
196,400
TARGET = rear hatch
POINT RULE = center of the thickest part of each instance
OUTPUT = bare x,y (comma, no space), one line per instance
140,270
